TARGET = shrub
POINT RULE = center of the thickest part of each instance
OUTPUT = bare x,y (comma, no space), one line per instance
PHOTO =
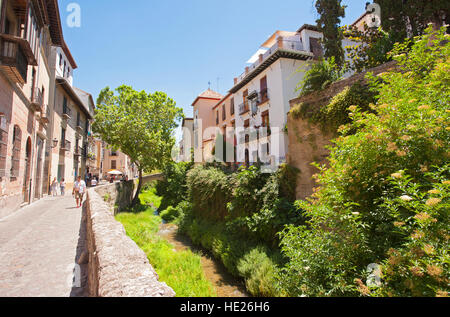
209,191
173,187
420,265
321,75
170,214
350,223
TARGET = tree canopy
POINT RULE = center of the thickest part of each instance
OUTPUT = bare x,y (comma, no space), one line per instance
140,124
331,12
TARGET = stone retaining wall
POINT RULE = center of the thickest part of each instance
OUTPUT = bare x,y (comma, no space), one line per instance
119,195
117,266
307,142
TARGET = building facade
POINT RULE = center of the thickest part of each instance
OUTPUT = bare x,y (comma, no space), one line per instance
44,120
28,30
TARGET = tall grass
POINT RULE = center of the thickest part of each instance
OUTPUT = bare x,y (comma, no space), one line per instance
182,270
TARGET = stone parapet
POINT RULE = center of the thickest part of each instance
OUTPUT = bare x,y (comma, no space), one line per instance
117,266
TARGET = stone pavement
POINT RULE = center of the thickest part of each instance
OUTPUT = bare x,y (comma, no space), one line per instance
39,246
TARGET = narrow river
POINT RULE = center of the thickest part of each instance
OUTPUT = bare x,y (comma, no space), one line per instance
224,283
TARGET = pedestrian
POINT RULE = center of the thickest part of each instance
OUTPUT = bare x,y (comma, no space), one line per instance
54,187
78,191
62,186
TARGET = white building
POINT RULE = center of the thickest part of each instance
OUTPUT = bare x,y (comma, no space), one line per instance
262,93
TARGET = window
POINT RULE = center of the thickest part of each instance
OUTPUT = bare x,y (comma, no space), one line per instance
63,137
232,106
224,113
265,119
60,60
3,145
65,110
113,164
16,145
217,117
263,90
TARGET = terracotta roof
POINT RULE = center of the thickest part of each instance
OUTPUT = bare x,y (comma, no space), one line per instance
208,94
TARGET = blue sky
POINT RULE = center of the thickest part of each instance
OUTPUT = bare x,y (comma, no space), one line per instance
177,46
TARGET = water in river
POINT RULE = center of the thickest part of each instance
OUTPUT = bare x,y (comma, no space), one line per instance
224,283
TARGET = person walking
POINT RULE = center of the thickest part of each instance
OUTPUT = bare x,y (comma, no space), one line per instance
79,189
54,187
62,186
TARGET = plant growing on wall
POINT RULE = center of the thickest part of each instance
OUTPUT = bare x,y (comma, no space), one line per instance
319,77
140,124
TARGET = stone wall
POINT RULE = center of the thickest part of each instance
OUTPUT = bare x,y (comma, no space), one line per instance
117,266
119,195
307,141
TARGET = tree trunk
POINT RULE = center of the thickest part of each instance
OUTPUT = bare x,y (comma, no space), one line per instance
138,191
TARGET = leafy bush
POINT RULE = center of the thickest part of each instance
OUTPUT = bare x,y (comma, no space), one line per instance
209,191
420,266
350,224
173,187
245,199
321,75
170,214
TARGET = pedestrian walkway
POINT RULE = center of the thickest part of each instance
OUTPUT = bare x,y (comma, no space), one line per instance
39,246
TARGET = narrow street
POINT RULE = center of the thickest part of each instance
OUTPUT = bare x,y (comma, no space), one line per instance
39,246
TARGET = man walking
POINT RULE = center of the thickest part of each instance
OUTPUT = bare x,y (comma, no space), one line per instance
79,189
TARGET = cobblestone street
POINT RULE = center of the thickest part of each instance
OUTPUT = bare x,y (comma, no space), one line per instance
39,246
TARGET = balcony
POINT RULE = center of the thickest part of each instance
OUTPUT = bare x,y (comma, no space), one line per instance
244,108
13,61
66,112
37,103
263,96
78,152
45,115
65,145
288,47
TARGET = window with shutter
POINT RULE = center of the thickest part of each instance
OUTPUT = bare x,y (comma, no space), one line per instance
3,145
16,146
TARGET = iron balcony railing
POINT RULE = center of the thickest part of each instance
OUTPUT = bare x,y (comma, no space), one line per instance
65,145
244,108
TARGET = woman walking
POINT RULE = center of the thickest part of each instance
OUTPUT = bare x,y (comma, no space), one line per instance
54,187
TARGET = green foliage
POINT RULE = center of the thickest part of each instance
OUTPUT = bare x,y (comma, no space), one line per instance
170,214
242,257
352,216
139,124
173,188
371,50
331,12
412,17
245,199
180,270
337,112
209,191
319,77
420,266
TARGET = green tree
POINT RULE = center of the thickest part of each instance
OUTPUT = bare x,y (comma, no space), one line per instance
141,125
397,17
331,12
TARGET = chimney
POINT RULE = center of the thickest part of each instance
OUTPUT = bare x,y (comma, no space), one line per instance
280,42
